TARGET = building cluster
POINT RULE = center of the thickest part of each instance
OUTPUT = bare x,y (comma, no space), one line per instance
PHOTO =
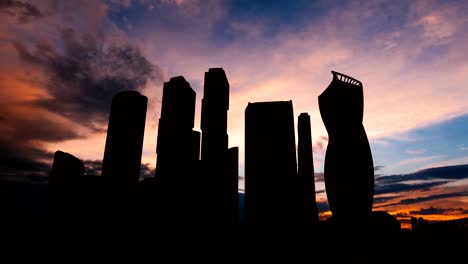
196,178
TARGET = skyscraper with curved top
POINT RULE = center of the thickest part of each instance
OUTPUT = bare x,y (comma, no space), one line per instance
349,170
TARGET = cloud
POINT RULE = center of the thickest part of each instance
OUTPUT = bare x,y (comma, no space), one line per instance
457,172
319,177
82,81
22,162
93,167
418,160
322,206
60,84
401,187
462,147
400,94
415,151
427,198
319,145
434,197
378,167
383,199
401,214
23,11
440,211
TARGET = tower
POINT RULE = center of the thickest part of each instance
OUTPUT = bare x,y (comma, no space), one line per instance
271,185
217,161
177,144
305,169
349,170
63,194
172,193
124,142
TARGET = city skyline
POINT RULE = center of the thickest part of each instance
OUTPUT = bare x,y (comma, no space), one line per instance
63,62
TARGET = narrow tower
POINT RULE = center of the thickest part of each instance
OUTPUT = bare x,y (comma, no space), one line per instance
306,169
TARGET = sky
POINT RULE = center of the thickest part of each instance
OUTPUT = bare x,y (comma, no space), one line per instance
62,61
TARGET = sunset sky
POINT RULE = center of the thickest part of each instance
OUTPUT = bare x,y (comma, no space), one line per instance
62,61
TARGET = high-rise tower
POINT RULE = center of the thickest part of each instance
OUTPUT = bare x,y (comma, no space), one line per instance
305,169
218,182
177,145
124,143
349,170
271,183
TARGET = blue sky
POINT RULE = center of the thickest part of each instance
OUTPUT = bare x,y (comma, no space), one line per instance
440,144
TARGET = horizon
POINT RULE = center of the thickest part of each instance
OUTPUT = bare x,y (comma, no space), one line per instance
63,62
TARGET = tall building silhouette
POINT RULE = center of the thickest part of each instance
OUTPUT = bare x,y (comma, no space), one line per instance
219,198
215,106
271,184
63,192
305,168
177,144
349,170
124,143
172,193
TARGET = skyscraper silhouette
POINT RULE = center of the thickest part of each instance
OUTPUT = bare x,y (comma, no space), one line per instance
219,198
176,145
175,186
215,105
349,171
306,168
271,186
63,191
124,143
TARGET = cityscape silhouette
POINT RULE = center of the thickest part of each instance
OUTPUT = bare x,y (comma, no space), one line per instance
196,178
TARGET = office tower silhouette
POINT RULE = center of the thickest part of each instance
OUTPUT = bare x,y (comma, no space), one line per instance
173,191
215,106
124,142
349,170
176,144
232,195
305,169
271,186
62,193
218,187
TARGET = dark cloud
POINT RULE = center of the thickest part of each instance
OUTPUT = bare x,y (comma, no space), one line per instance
93,167
439,211
427,198
84,77
402,187
24,12
378,167
319,145
147,171
401,214
320,191
434,197
384,199
80,69
319,177
21,149
322,206
21,162
449,173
